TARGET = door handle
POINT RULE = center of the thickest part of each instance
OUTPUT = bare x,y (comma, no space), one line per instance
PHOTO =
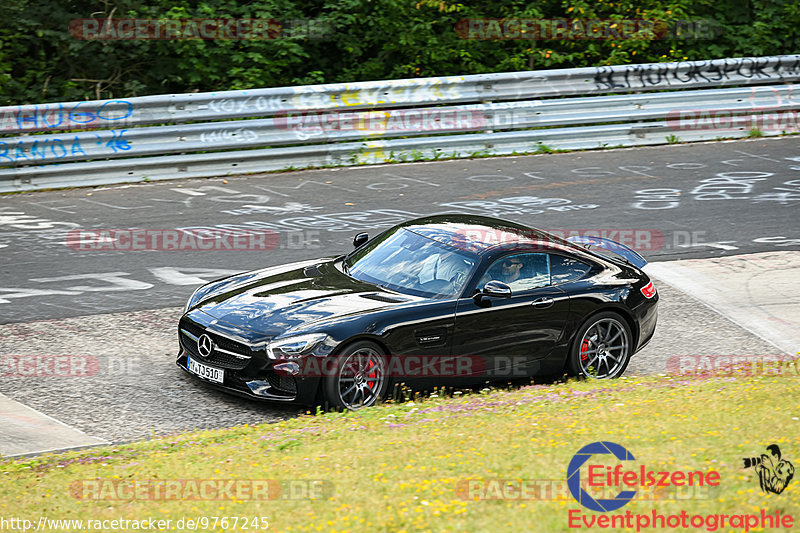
543,303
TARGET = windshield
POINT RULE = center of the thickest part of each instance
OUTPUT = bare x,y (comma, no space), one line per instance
406,262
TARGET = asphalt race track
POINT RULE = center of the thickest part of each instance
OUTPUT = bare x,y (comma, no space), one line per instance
689,200
60,295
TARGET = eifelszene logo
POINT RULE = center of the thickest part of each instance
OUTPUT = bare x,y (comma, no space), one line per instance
574,476
774,473
592,460
617,477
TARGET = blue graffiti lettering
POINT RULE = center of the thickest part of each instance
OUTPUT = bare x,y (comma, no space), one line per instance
60,144
22,118
75,115
117,142
4,151
47,149
125,104
56,116
76,147
35,151
60,116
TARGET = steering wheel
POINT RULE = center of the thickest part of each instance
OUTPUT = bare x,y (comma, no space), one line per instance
458,279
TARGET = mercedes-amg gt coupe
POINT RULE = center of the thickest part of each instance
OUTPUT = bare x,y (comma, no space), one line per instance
444,300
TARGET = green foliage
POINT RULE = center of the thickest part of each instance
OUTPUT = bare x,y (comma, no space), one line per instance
40,61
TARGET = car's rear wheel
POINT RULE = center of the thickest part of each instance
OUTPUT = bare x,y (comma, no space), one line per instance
602,347
360,379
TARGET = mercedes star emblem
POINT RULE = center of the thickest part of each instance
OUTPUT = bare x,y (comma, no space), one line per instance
205,345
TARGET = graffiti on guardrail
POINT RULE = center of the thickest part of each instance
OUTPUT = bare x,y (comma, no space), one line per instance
160,109
714,71
240,135
62,116
505,109
316,98
33,150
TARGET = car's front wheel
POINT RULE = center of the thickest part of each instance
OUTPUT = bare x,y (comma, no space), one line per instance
360,379
602,347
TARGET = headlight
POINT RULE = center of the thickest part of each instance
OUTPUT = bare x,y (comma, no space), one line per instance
298,346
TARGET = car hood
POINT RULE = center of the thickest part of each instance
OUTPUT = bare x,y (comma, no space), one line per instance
288,298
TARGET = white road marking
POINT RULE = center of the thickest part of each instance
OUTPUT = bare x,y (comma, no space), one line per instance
190,276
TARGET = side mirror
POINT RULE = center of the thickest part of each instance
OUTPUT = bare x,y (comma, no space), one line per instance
497,288
494,288
360,239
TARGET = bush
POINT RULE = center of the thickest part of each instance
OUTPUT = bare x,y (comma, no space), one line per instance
40,61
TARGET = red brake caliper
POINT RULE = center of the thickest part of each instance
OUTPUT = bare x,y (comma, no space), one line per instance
371,374
584,350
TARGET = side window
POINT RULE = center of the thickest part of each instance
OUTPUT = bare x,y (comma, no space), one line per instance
521,272
563,269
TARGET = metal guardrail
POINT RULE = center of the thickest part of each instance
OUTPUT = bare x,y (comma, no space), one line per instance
326,127
261,130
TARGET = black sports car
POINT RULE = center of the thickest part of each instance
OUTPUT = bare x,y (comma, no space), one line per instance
449,300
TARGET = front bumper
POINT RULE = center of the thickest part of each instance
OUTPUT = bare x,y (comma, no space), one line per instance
247,372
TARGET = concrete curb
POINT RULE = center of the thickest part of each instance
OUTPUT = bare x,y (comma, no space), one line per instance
27,432
758,291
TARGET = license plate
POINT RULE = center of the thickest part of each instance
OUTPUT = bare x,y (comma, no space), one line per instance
204,371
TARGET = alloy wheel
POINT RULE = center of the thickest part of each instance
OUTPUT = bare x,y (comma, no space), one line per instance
604,349
361,378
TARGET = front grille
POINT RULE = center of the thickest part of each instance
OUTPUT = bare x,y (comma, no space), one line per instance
219,357
231,345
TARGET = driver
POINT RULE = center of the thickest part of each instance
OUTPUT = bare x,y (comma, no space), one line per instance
515,271
510,270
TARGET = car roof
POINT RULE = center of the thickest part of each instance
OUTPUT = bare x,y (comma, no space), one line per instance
483,235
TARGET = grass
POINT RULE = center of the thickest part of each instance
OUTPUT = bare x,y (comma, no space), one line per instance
397,467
